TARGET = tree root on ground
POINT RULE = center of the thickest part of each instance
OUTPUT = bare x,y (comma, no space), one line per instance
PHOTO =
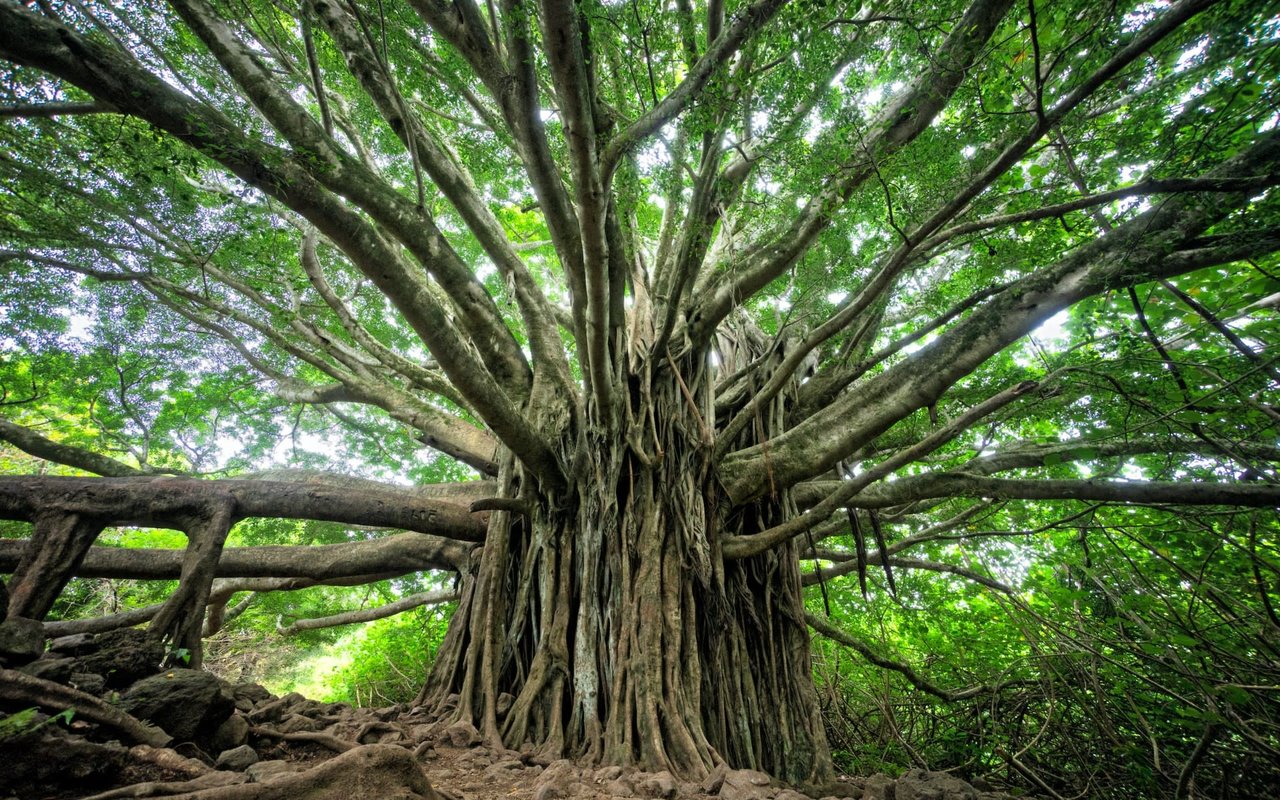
21,687
332,742
210,780
386,772
168,759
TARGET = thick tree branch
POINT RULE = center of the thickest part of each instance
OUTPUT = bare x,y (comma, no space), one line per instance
753,544
912,488
389,556
32,443
30,39
1145,248
162,501
32,110
905,118
722,49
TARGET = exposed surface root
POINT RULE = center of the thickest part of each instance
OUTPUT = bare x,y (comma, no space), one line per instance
332,742
385,772
209,780
20,687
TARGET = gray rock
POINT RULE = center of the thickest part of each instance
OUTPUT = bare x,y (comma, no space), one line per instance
21,640
57,670
559,779
790,794
621,787
606,774
77,644
503,770
879,787
504,703
919,784
53,760
238,758
296,723
462,734
551,791
275,709
251,692
123,657
661,784
188,704
88,682
267,771
230,734
746,784
716,779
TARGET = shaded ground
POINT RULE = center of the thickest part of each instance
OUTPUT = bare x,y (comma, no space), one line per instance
178,733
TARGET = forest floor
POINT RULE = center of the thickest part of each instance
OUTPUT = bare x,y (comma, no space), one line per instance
206,739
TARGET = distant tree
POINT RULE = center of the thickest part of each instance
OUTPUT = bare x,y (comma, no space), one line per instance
691,288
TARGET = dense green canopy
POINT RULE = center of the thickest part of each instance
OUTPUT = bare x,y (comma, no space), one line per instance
967,308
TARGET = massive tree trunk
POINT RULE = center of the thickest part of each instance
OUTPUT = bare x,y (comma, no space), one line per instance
609,614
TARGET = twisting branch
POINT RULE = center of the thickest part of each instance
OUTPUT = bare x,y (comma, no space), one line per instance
369,614
723,48
896,126
1144,248
32,443
744,546
863,649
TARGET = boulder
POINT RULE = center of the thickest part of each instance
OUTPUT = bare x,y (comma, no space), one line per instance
268,771
237,758
462,734
660,784
123,657
230,734
77,644
746,784
21,640
57,670
504,704
296,723
52,760
560,779
190,705
88,682
715,780
879,787
919,784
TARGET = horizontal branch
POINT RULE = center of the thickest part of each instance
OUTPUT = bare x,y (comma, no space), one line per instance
173,501
30,110
954,484
389,556
219,594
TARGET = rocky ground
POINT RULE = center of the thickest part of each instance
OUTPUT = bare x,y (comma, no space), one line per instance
186,734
